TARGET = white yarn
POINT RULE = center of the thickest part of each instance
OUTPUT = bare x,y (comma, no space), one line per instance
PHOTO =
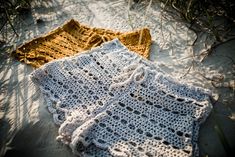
112,102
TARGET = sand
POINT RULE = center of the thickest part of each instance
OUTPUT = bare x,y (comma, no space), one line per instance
26,127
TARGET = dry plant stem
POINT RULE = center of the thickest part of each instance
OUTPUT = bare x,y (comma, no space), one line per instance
145,17
190,67
173,5
4,23
163,9
207,78
128,14
172,47
221,43
188,7
9,20
192,29
213,47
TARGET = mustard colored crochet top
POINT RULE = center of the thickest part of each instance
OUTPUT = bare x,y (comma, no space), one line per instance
73,38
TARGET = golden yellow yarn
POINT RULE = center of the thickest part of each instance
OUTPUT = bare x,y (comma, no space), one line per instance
73,38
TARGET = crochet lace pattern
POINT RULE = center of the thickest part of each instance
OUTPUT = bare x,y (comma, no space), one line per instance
110,101
73,38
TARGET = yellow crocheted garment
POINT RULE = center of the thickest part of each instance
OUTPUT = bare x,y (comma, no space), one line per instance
73,38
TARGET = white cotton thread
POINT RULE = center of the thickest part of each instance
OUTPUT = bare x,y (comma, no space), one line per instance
112,102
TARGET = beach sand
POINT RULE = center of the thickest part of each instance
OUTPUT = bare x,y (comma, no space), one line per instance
26,127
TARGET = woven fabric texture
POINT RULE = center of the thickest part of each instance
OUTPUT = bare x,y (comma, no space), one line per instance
73,38
110,101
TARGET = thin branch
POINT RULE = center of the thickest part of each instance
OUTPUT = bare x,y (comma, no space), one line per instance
187,72
161,26
9,20
128,15
145,18
214,46
4,23
210,49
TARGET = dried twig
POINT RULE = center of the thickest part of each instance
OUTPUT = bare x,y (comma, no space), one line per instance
213,47
128,15
4,23
187,72
9,20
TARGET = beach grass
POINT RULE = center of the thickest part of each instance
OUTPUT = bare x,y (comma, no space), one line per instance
11,8
216,17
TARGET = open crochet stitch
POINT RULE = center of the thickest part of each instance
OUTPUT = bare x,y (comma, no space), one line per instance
73,38
109,101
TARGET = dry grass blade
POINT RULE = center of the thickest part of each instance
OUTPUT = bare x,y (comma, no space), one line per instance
9,9
216,18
